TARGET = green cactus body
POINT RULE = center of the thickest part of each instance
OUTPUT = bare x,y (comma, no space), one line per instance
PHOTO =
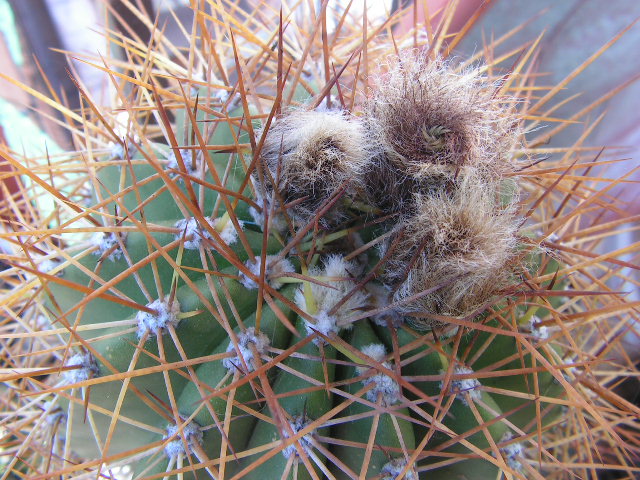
237,415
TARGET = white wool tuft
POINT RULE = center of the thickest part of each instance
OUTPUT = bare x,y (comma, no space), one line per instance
327,297
375,351
299,422
54,414
47,265
539,332
277,220
393,469
192,168
192,231
464,386
105,241
383,384
273,268
245,351
513,452
228,234
165,315
324,323
191,435
88,368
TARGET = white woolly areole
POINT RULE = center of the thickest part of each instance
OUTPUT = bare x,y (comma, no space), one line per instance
192,231
324,323
88,368
513,452
117,151
245,351
155,323
539,332
299,422
54,414
273,268
460,387
47,265
393,469
192,165
327,297
105,241
228,234
191,435
383,384
277,220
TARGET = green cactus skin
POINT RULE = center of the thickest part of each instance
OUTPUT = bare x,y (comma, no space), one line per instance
318,373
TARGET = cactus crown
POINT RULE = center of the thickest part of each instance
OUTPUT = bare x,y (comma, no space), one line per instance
289,270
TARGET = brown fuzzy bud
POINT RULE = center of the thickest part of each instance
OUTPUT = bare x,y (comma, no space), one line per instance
309,156
464,242
431,121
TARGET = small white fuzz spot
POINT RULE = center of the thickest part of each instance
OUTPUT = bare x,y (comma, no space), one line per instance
88,368
384,385
193,162
539,332
513,452
54,415
325,297
245,351
393,469
299,422
461,387
108,242
273,268
324,323
192,231
47,265
277,220
191,435
117,151
155,323
228,234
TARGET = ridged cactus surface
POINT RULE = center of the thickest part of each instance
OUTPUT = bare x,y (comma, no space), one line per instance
294,265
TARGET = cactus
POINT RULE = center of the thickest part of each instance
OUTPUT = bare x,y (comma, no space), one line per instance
301,272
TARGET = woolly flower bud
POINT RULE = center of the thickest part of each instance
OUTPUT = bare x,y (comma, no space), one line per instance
432,119
384,386
166,314
393,469
461,387
307,157
88,368
247,341
325,297
453,255
191,435
274,268
109,242
193,162
299,422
